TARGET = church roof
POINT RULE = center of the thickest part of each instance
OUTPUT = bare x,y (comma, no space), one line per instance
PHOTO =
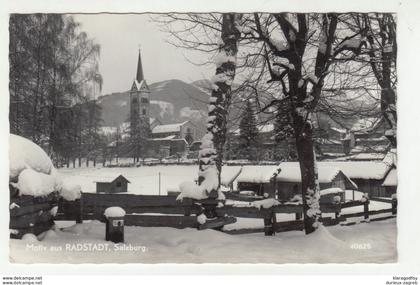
139,85
139,82
139,75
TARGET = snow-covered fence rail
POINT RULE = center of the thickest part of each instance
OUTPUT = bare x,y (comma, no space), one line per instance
272,226
167,211
241,197
142,210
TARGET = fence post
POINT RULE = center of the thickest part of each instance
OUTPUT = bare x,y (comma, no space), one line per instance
210,208
79,215
268,224
394,206
338,213
274,220
366,209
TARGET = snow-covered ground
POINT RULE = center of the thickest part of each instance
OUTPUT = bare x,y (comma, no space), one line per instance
366,242
144,180
84,243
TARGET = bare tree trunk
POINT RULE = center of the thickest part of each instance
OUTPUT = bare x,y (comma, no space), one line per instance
309,174
211,151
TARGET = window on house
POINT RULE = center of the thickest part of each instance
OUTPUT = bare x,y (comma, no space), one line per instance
134,101
143,111
144,100
119,184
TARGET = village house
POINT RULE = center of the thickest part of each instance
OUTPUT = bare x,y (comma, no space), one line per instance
284,181
268,149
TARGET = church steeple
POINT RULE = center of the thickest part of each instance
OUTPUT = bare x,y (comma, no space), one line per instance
139,75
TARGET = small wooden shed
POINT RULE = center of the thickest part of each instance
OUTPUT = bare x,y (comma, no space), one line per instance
390,183
289,181
368,175
259,179
118,185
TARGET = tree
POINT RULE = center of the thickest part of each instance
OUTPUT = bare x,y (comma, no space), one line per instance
211,149
51,61
301,66
305,62
382,52
248,136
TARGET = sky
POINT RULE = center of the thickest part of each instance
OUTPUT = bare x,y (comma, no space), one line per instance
121,35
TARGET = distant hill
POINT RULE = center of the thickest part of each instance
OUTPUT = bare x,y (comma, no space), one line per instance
176,101
171,101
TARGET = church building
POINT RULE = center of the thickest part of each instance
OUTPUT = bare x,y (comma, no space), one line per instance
148,137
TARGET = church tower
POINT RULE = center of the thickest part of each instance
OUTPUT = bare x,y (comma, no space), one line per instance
139,105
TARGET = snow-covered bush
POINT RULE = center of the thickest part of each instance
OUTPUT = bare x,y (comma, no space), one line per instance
70,191
31,171
365,197
33,183
201,219
337,199
24,154
191,190
54,211
266,203
297,198
30,238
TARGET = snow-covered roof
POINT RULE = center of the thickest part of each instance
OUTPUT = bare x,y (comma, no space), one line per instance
267,128
391,179
109,179
391,157
372,148
329,191
366,124
257,173
367,156
229,174
169,128
107,130
338,130
168,138
360,169
327,141
290,172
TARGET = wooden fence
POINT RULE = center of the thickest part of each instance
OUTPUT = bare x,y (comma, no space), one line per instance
166,211
29,214
141,210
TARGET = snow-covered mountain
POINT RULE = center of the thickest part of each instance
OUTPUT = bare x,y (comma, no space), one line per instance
171,101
